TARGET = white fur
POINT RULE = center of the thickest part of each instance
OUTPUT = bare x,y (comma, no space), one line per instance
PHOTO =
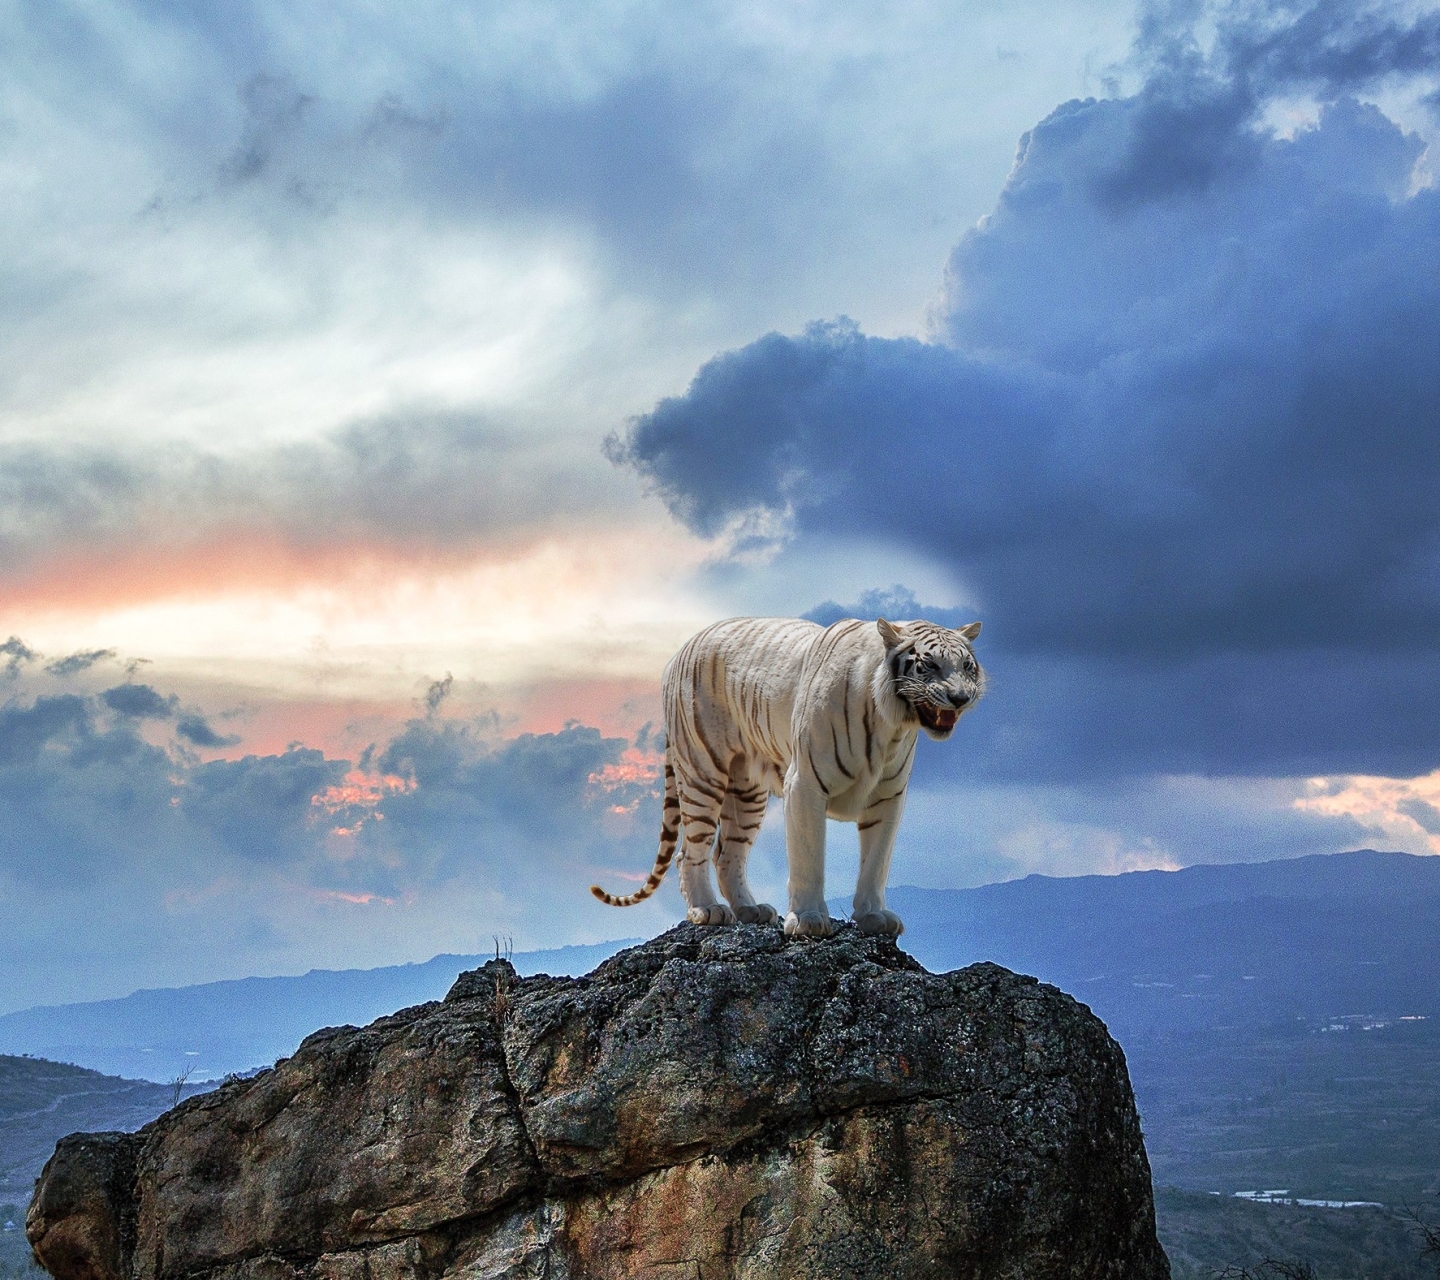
826,717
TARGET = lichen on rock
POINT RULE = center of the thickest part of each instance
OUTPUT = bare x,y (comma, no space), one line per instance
716,1104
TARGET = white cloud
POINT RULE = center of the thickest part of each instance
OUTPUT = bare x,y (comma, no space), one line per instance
255,221
1402,812
234,234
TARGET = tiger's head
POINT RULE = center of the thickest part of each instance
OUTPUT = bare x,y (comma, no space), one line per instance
934,670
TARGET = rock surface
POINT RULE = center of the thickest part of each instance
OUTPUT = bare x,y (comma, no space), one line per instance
716,1104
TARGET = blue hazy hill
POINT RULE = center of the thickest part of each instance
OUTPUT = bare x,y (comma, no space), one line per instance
1165,952
1154,953
219,1027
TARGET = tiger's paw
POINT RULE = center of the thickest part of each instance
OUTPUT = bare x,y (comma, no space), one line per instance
759,913
809,924
717,914
883,922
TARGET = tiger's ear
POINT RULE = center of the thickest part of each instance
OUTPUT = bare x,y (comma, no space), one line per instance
970,630
889,634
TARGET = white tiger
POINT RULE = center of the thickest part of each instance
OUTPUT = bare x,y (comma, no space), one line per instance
827,717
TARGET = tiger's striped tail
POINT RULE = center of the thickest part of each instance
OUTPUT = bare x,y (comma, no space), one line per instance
669,835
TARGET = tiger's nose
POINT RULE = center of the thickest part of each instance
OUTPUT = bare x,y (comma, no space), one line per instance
959,701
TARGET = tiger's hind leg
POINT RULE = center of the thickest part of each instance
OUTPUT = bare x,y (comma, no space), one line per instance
700,805
740,819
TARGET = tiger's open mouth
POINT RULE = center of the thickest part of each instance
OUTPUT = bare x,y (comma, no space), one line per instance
933,717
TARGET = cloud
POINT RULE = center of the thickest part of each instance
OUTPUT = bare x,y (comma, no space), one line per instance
26,730
139,701
1073,718
80,795
421,486
532,791
658,139
196,730
1400,811
1179,439
447,830
966,833
75,663
443,830
385,282
274,111
143,702
1332,48
1424,814
294,294
894,603
1191,123
259,807
438,691
17,654
269,224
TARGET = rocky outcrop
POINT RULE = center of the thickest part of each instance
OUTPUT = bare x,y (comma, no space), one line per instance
716,1104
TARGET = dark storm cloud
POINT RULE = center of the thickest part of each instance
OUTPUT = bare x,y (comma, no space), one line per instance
1183,443
1060,717
1333,47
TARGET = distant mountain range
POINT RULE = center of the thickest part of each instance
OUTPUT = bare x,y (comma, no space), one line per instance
1158,953
1154,953
216,1028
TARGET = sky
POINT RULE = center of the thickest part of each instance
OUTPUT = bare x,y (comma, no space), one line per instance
386,394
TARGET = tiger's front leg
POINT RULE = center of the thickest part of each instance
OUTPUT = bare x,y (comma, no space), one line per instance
805,804
878,823
878,826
